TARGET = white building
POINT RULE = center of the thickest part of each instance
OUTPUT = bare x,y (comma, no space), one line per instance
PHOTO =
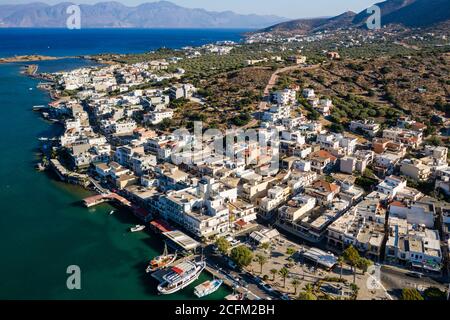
285,97
418,213
182,91
308,93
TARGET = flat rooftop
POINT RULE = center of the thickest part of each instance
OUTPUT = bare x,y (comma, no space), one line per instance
182,240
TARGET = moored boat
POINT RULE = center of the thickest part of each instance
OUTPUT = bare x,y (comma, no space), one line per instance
180,276
137,228
207,288
161,261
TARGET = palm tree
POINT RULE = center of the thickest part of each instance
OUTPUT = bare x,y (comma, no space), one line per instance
340,261
309,288
265,246
262,260
307,293
295,283
274,273
284,273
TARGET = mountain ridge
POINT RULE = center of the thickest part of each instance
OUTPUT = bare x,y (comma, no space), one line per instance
112,14
409,13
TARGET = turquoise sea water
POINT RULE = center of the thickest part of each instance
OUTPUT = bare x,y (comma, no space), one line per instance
43,227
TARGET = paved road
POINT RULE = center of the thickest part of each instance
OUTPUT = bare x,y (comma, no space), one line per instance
394,278
274,78
262,106
216,261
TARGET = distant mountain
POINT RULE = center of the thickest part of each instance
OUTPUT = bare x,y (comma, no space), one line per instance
304,26
410,13
161,14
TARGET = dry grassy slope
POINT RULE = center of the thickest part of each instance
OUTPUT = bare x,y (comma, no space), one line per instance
229,95
403,77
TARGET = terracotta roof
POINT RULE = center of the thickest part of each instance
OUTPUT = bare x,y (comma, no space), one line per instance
241,223
397,204
323,154
329,187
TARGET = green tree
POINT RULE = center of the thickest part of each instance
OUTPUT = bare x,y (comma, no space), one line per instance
411,294
262,260
352,257
313,115
284,273
435,141
308,293
223,245
290,251
363,264
341,262
295,283
242,256
306,296
273,272
433,293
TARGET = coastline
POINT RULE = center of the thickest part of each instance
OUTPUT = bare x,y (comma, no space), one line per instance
30,58
91,238
81,184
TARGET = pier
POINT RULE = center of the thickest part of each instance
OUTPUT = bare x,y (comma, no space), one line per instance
68,176
102,198
238,290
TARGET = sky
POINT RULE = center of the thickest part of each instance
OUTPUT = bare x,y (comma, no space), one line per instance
285,8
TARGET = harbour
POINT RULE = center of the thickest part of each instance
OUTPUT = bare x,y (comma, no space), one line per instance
55,225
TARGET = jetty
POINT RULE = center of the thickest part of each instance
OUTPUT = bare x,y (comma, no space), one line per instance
68,176
102,198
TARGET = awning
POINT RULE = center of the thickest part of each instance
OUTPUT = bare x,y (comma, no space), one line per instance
177,270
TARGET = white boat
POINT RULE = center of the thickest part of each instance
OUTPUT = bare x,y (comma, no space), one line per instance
180,276
161,261
112,212
207,287
137,228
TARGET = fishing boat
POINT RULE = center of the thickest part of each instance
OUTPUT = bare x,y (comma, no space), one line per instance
137,228
180,276
207,287
39,108
161,261
235,297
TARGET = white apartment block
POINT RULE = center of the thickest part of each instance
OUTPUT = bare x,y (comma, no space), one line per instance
285,97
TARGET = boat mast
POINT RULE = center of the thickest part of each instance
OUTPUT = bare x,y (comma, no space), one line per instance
166,251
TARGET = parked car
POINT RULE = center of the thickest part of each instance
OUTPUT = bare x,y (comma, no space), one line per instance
235,242
414,274
243,283
285,296
267,287
232,265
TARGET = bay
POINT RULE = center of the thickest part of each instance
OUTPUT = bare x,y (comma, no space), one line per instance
43,226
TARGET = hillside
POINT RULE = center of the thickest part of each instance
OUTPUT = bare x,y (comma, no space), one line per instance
409,13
